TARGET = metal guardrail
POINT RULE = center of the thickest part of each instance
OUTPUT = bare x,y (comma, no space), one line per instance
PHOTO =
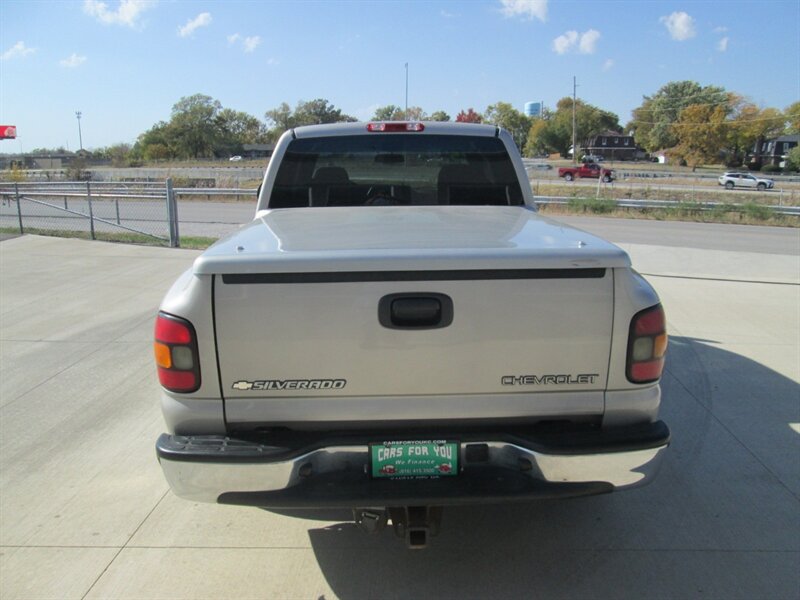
92,209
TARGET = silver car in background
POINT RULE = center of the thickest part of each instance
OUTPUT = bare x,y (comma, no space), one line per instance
745,180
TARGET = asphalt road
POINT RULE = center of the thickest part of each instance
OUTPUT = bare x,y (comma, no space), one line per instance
85,511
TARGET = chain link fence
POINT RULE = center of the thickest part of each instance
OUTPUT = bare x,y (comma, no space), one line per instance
132,212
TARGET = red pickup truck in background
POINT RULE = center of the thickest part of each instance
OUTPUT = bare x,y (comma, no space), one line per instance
587,170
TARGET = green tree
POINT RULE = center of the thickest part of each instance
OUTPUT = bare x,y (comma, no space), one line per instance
537,143
439,115
281,118
236,128
793,159
313,112
700,131
194,125
199,127
792,113
748,126
509,118
119,153
555,135
317,112
414,113
653,121
157,143
390,112
156,152
241,126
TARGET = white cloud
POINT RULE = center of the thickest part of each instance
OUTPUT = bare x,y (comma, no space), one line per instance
563,43
446,15
721,29
528,9
128,12
251,43
680,26
201,20
722,45
588,41
18,50
74,60
248,43
608,64
572,41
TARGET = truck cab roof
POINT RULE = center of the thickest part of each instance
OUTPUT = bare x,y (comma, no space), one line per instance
428,128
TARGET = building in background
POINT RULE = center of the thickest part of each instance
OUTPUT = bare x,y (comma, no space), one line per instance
773,151
612,145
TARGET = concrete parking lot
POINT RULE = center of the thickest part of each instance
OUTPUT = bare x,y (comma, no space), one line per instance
86,513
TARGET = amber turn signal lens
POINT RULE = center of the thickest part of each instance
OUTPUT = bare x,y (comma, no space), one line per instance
163,358
660,346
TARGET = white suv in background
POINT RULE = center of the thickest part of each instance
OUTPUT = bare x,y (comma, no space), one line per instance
745,180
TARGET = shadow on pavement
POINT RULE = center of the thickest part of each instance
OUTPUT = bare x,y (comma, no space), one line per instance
720,521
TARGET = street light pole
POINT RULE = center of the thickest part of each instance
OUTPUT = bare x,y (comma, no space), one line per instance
80,136
574,149
406,112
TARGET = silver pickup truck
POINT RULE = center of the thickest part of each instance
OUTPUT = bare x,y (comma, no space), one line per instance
398,330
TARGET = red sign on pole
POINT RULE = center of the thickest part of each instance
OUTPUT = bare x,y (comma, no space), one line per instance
8,132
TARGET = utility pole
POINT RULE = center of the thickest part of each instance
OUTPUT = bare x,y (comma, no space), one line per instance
406,112
80,136
574,96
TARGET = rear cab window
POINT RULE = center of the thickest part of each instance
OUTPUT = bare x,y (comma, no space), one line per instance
395,170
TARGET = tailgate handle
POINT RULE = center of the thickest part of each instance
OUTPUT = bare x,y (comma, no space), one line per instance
415,311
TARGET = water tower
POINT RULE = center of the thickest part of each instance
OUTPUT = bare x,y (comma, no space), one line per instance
533,109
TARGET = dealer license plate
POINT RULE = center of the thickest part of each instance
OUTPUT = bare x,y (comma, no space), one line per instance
418,458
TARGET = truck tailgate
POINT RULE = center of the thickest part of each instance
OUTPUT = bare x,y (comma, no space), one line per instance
522,329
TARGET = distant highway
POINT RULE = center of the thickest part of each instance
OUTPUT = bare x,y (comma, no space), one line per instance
787,190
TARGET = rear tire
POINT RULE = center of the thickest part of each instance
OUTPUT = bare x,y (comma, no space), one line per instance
728,185
606,179
569,177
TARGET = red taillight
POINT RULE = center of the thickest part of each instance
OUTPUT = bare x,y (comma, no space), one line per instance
647,345
395,126
173,330
177,381
176,355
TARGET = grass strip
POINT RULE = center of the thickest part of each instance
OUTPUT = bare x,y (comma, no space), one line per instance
187,242
746,214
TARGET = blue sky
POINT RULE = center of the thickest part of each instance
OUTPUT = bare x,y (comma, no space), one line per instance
124,64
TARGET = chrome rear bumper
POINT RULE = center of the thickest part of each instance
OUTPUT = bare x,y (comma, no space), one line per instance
334,472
